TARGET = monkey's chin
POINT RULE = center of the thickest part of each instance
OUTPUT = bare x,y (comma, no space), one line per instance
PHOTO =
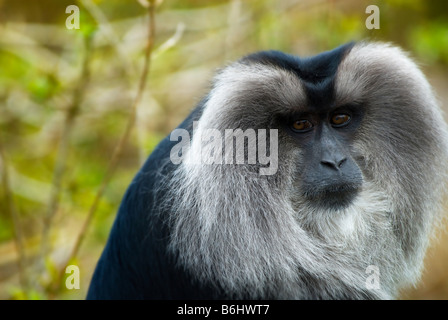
334,197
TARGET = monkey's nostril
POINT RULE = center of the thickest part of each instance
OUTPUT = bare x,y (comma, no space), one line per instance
340,163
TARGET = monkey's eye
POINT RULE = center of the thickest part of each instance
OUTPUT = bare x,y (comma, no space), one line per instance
340,120
302,125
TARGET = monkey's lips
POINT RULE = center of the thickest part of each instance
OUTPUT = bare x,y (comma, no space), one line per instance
335,196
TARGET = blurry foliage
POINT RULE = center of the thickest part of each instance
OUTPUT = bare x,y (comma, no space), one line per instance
41,61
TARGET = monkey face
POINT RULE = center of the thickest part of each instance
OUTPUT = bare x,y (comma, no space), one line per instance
329,176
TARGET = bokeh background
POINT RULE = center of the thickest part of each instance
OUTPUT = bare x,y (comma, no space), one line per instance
67,97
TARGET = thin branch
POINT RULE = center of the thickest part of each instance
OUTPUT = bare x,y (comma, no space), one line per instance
123,140
171,42
11,209
61,160
110,33
142,118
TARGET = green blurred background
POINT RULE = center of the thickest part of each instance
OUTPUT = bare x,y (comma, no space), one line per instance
66,97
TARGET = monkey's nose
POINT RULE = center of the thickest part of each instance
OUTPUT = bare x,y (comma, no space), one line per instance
333,163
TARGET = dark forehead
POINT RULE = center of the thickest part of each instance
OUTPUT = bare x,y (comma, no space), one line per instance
317,73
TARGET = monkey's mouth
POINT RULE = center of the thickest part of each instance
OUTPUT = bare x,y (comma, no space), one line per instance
336,196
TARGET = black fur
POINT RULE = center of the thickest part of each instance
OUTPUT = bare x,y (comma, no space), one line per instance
317,72
135,263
